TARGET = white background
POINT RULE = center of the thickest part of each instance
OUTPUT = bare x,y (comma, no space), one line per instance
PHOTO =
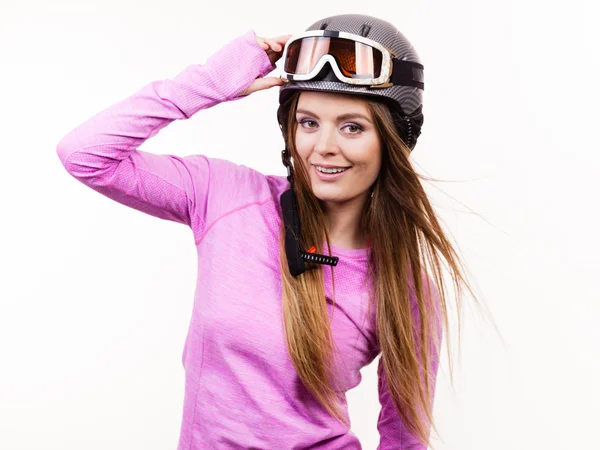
95,298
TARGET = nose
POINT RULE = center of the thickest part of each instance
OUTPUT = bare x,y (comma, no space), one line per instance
326,142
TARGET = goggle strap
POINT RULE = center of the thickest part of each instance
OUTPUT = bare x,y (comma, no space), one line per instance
407,73
404,73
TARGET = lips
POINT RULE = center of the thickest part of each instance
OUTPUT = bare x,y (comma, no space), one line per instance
329,176
327,169
330,166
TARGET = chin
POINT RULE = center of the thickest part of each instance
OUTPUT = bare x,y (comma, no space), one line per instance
331,199
330,195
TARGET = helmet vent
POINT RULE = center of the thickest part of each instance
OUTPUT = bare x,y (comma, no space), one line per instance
364,31
323,26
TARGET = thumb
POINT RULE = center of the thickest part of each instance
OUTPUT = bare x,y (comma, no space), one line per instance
262,83
269,82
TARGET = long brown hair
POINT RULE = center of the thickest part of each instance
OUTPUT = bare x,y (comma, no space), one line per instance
408,245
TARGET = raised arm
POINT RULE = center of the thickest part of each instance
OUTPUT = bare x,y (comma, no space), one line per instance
103,151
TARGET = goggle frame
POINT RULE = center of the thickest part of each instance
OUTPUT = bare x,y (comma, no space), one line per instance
379,82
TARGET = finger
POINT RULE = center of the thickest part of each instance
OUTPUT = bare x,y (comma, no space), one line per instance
275,46
278,42
261,42
264,83
268,82
282,39
256,85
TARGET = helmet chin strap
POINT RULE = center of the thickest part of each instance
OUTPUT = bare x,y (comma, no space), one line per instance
291,221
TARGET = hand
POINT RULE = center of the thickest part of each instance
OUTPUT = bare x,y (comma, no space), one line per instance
274,48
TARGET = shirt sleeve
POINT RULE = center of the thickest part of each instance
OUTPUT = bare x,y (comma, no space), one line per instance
392,430
103,151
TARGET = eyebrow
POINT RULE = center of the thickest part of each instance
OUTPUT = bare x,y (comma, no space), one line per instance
341,117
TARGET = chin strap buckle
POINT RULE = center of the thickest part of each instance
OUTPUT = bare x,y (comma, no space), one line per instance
320,259
312,256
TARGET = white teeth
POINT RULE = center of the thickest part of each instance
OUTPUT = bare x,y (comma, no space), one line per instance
324,170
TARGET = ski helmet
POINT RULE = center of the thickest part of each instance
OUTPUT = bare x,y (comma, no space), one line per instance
403,93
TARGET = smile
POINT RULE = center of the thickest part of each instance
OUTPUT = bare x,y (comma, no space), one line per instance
330,174
331,169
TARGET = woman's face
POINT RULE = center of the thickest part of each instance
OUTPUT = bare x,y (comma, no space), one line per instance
337,131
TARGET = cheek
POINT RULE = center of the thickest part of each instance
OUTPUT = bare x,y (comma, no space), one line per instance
367,173
302,145
368,160
375,155
377,163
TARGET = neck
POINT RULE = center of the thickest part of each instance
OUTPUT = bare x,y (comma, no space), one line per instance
343,223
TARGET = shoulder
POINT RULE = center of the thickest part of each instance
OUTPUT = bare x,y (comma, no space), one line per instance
231,186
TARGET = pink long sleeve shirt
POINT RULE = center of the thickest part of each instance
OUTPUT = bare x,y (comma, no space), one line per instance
241,389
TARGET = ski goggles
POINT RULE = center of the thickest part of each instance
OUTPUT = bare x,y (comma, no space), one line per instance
354,59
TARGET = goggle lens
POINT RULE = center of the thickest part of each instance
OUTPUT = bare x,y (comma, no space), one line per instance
354,59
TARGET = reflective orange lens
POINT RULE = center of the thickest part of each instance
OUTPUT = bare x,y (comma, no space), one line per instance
354,59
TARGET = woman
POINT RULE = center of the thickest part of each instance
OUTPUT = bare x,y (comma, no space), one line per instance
274,343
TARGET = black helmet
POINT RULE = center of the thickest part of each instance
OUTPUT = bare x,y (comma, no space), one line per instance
403,96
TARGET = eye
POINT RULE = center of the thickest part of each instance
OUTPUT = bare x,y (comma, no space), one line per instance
354,128
303,122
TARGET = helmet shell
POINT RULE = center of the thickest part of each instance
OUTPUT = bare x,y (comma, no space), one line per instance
405,102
